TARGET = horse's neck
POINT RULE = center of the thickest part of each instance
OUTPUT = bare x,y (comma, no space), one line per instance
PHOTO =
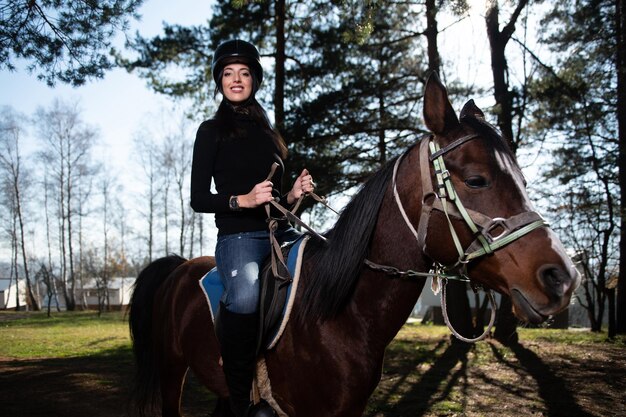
388,300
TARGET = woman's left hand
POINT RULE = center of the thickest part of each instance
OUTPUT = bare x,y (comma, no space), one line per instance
303,184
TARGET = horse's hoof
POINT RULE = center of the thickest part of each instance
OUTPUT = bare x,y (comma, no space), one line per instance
262,409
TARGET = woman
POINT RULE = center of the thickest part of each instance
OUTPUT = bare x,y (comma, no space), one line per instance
236,149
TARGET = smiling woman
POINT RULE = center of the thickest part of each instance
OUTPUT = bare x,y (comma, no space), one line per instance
237,83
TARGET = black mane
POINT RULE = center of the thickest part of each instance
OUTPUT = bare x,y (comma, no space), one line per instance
335,266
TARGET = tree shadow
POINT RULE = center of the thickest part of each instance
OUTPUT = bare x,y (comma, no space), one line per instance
429,389
558,398
95,385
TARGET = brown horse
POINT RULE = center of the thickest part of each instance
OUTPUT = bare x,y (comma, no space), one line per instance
329,359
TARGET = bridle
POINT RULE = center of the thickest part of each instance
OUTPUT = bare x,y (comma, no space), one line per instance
490,234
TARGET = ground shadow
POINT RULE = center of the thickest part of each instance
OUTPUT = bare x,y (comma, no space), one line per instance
89,386
558,398
429,389
95,386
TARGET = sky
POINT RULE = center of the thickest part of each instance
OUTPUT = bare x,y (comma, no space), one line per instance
119,103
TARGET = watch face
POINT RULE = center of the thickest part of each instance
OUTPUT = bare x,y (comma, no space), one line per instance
234,203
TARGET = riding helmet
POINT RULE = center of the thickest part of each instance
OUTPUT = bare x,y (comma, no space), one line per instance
238,50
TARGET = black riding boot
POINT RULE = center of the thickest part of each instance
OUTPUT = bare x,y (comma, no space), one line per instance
237,334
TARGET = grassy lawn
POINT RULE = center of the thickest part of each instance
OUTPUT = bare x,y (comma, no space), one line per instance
65,334
78,364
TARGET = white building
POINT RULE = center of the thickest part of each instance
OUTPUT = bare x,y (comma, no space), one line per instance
8,291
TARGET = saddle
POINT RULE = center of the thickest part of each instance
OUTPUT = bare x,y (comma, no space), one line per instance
277,293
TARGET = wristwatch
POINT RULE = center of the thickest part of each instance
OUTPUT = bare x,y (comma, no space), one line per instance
233,203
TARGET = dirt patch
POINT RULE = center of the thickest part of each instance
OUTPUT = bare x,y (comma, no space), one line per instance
429,377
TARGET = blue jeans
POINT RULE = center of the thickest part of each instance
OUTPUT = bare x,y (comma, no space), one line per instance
239,259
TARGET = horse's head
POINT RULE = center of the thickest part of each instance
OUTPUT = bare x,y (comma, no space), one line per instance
509,247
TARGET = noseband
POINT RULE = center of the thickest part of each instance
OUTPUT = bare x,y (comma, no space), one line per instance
490,234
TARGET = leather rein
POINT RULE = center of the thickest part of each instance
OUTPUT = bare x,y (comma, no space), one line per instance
490,234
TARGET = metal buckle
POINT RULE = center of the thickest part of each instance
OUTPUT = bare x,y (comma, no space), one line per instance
496,223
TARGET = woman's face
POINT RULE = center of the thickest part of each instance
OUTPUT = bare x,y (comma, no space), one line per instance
237,82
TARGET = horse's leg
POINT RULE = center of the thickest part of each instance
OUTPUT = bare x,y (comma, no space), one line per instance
202,352
200,346
172,380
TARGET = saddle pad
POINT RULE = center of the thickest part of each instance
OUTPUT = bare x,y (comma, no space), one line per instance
212,287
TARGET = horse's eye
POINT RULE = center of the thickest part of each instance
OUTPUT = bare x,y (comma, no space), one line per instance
476,182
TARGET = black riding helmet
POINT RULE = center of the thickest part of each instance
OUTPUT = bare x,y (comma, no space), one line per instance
236,51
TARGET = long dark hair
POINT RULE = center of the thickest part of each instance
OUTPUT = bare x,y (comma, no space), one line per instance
228,117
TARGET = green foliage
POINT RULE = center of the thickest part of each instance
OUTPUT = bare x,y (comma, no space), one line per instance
65,41
239,4
362,110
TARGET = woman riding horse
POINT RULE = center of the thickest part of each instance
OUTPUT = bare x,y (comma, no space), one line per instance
236,149
455,202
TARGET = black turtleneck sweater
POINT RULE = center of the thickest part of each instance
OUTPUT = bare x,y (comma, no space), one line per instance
236,165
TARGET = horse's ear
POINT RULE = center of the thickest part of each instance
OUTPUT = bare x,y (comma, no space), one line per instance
471,109
438,112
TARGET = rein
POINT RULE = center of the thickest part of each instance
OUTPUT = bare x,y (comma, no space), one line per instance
490,234
277,259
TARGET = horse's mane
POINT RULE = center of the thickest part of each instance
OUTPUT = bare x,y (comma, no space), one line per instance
335,266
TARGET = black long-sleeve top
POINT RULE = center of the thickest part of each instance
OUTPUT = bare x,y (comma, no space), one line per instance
236,165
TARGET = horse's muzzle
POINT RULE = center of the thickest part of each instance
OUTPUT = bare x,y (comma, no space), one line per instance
557,286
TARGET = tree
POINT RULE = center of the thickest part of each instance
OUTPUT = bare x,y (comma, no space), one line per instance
620,66
147,154
576,103
66,149
181,169
16,181
62,40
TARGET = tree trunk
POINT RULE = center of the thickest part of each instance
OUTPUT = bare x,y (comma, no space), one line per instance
610,295
32,300
382,118
14,266
279,86
498,39
506,323
434,60
71,306
620,16
151,220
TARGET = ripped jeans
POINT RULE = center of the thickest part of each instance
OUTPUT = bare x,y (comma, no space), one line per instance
239,258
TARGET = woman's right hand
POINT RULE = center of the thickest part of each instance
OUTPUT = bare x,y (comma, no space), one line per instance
259,195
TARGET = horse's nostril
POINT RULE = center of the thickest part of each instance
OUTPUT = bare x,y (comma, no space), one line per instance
555,279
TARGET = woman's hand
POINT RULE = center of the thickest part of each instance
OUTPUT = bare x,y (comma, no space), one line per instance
259,195
303,184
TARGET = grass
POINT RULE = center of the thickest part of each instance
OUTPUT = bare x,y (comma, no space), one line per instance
553,372
577,336
65,334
